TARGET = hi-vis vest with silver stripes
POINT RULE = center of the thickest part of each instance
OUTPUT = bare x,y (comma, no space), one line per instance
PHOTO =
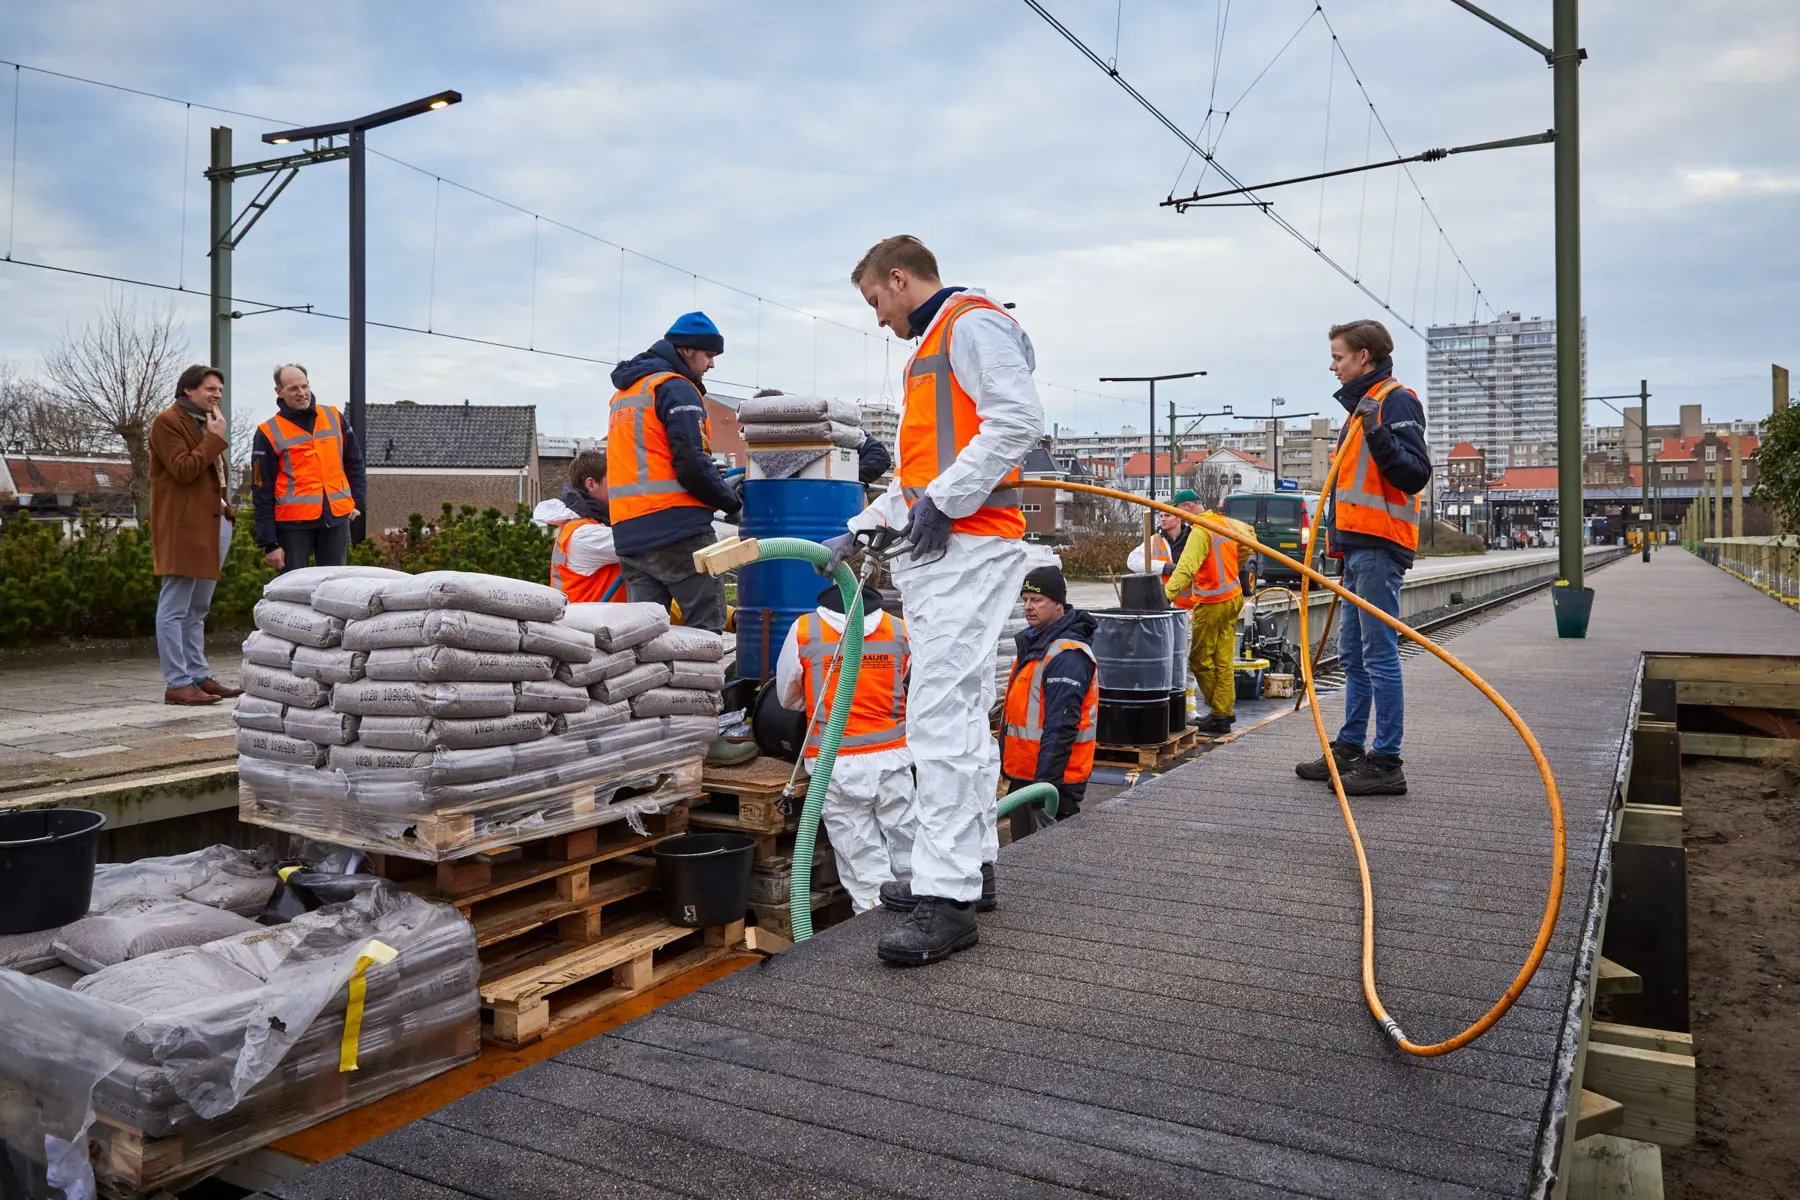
1363,501
640,470
878,709
311,471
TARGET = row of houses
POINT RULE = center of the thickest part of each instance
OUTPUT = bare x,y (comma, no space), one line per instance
1680,463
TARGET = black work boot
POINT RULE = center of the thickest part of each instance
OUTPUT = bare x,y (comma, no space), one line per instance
989,894
897,896
937,928
1216,724
1376,775
1318,772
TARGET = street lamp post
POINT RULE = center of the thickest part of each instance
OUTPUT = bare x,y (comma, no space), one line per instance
1153,380
1642,396
1275,431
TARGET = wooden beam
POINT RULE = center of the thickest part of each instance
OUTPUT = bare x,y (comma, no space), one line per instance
1729,745
1651,824
1655,764
1663,1040
765,940
1597,1114
1614,1168
1656,1089
1610,979
1745,695
727,555
1736,668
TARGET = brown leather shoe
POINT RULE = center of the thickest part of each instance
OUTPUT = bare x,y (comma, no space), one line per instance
188,694
213,687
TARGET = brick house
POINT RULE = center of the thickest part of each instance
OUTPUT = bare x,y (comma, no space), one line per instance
421,456
60,486
1465,469
1704,459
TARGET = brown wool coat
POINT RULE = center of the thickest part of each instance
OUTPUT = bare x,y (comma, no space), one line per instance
186,496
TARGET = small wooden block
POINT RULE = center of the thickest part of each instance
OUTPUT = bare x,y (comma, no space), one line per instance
1663,1040
499,854
397,868
636,974
517,1026
1613,980
726,935
579,927
458,875
727,555
767,941
567,847
573,886
1650,824
1598,1114
1656,1089
760,814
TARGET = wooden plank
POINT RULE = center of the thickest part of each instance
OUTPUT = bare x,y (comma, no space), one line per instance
581,963
765,941
508,917
1662,1040
1651,824
727,555
1729,745
1614,1168
1735,694
1597,1114
1656,1089
510,877
1655,764
1610,979
1724,668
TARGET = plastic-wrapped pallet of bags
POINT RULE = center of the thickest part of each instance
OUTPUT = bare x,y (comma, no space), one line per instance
409,698
224,877
284,687
618,626
254,712
329,666
604,665
267,650
427,664
350,598
494,594
297,623
433,627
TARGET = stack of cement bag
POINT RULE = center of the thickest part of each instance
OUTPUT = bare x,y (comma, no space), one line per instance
195,1024
423,693
775,420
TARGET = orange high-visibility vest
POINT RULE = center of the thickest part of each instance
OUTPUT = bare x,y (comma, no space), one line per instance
1217,579
878,707
1022,732
640,472
1364,501
940,419
605,584
311,471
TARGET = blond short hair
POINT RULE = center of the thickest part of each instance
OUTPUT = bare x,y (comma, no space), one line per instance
902,250
1366,335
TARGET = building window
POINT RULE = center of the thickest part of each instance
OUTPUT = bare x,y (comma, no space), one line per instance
1712,453
103,479
1031,508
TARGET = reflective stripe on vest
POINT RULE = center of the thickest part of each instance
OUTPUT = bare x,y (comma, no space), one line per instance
640,470
608,583
310,470
1023,731
1217,579
929,439
1365,502
878,707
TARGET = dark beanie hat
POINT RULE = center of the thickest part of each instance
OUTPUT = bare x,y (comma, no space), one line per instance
831,600
1047,582
695,331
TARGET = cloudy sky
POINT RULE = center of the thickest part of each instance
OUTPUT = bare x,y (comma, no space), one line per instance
744,155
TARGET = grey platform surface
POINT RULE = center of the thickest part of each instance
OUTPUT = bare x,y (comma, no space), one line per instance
1167,1002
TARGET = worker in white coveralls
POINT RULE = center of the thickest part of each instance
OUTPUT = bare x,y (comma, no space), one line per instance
971,415
868,811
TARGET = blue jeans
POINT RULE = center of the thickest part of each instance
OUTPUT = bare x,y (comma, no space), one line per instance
1370,653
181,608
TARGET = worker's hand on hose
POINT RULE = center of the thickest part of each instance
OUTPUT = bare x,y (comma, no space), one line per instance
842,546
1168,569
929,530
1368,410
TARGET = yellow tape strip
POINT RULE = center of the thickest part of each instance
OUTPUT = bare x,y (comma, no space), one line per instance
286,871
374,952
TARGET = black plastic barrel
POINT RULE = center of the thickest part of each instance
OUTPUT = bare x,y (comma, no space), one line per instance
1133,719
706,877
780,731
46,867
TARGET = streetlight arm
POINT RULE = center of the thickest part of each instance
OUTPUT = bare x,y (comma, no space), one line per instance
386,116
1503,27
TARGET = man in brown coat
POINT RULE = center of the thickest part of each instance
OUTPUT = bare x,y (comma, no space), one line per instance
190,529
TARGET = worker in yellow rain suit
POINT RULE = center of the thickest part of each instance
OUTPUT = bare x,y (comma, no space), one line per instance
1206,582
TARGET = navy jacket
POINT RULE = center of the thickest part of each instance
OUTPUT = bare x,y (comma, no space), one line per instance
683,414
1398,447
1065,682
872,459
266,463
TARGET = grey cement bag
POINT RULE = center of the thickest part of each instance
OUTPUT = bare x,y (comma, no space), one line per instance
550,697
604,665
284,687
558,640
705,676
326,726
493,594
279,747
267,650
410,734
298,585
353,598
633,682
253,712
673,702
428,767
329,666
433,627
435,663
777,410
680,642
130,929
837,434
390,698
297,623
618,626
595,717
491,731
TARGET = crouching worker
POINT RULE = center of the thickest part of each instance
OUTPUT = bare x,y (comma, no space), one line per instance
1052,702
869,809
584,566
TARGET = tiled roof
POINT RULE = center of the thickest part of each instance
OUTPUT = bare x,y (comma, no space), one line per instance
1464,450
1039,462
86,476
450,435
1524,479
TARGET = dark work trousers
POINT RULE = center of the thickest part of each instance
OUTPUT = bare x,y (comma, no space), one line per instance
667,573
313,545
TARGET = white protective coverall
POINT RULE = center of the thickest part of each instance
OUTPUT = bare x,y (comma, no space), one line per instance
868,813
957,605
591,546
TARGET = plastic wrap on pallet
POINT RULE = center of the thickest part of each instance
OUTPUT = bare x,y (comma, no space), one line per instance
495,594
591,719
558,639
267,650
433,627
437,664
297,623
618,626
477,732
634,682
550,696
673,701
283,686
297,586
132,928
403,698
707,676
604,665
253,712
364,767
224,877
353,598
279,747
326,726
307,785
683,644
329,666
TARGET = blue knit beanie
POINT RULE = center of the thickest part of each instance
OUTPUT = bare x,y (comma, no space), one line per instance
695,331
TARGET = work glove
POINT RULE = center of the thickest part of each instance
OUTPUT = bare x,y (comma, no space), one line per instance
842,546
929,529
1168,569
1366,411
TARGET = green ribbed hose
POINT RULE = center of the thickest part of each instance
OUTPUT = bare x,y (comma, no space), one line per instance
1026,795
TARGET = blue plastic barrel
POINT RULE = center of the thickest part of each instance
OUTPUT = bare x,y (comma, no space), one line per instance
814,509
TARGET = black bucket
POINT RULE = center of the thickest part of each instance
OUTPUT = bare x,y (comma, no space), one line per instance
1143,593
706,877
46,867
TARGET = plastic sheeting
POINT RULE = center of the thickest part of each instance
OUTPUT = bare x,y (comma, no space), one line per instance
402,698
448,664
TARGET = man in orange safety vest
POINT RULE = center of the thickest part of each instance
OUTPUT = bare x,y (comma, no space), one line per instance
1047,730
583,564
307,481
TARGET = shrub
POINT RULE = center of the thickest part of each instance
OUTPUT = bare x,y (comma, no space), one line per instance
1447,539
1098,557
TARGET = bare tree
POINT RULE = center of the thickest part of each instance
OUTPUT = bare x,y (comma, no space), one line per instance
1096,516
34,421
120,371
1211,482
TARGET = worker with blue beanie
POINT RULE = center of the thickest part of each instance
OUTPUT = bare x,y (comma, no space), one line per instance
662,484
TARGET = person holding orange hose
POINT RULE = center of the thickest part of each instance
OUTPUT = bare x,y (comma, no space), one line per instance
1372,522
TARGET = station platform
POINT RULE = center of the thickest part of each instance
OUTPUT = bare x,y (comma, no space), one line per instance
1167,1001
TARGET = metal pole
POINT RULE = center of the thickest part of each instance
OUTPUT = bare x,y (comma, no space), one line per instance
359,309
1644,457
1172,452
1737,485
1150,472
1567,62
219,327
1275,448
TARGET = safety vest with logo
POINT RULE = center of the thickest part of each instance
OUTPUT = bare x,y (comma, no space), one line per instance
1023,728
878,707
640,471
605,584
311,471
1216,581
940,419
1363,501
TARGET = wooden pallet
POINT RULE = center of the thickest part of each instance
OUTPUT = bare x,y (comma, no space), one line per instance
750,792
537,990
829,904
1147,758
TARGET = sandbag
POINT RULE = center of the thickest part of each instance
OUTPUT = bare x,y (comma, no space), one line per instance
329,666
299,584
703,675
604,665
434,627
495,594
253,712
445,663
279,747
618,626
131,929
633,682
392,698
550,697
473,734
284,687
352,598
297,623
672,701
595,717
28,952
409,734
429,767
680,642
559,640
804,431
267,650
779,410
326,726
